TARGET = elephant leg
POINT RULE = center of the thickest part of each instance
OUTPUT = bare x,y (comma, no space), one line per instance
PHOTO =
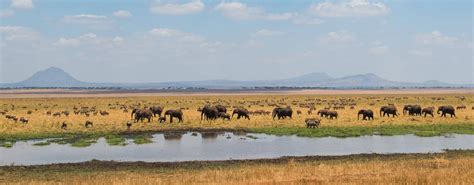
171,119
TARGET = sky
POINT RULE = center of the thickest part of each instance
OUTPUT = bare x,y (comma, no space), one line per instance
161,40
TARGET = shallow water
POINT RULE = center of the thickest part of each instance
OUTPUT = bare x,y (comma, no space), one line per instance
225,146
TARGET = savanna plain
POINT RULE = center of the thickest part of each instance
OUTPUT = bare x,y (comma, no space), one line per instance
111,117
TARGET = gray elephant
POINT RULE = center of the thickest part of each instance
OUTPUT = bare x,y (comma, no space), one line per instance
388,110
241,112
224,116
282,113
412,110
175,114
209,113
428,110
447,109
141,114
366,114
156,110
221,108
332,114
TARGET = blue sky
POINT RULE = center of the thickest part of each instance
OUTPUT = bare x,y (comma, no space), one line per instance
155,41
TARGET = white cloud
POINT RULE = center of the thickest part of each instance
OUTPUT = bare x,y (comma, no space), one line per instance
17,33
351,8
240,11
267,33
435,38
378,48
122,14
6,13
192,7
22,4
83,39
86,19
166,33
338,37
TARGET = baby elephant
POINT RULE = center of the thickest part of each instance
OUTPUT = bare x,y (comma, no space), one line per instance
224,116
312,122
88,124
161,119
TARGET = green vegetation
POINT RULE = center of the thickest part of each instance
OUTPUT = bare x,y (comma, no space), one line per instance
142,139
114,140
386,130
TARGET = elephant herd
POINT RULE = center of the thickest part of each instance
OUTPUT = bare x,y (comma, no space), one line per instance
209,112
141,114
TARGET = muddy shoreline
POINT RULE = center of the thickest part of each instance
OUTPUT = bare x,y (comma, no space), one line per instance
97,165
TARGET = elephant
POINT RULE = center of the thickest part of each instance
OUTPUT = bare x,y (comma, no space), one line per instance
446,109
175,114
323,112
241,112
412,110
221,108
224,116
366,114
312,122
156,110
141,114
282,113
332,114
209,113
387,110
428,110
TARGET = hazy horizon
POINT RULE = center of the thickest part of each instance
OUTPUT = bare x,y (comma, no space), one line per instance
191,40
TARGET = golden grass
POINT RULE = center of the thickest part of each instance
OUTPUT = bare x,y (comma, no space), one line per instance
437,169
42,123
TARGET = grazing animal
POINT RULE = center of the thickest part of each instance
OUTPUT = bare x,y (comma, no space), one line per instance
446,109
241,112
58,114
104,113
412,110
224,116
175,114
461,107
221,108
64,125
156,110
161,119
366,114
388,110
332,114
312,122
323,112
89,124
15,119
24,120
129,124
209,113
282,113
428,110
141,114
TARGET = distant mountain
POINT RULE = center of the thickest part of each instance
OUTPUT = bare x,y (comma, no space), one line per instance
51,77
56,77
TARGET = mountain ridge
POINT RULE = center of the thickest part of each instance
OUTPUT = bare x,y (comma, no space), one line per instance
56,77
